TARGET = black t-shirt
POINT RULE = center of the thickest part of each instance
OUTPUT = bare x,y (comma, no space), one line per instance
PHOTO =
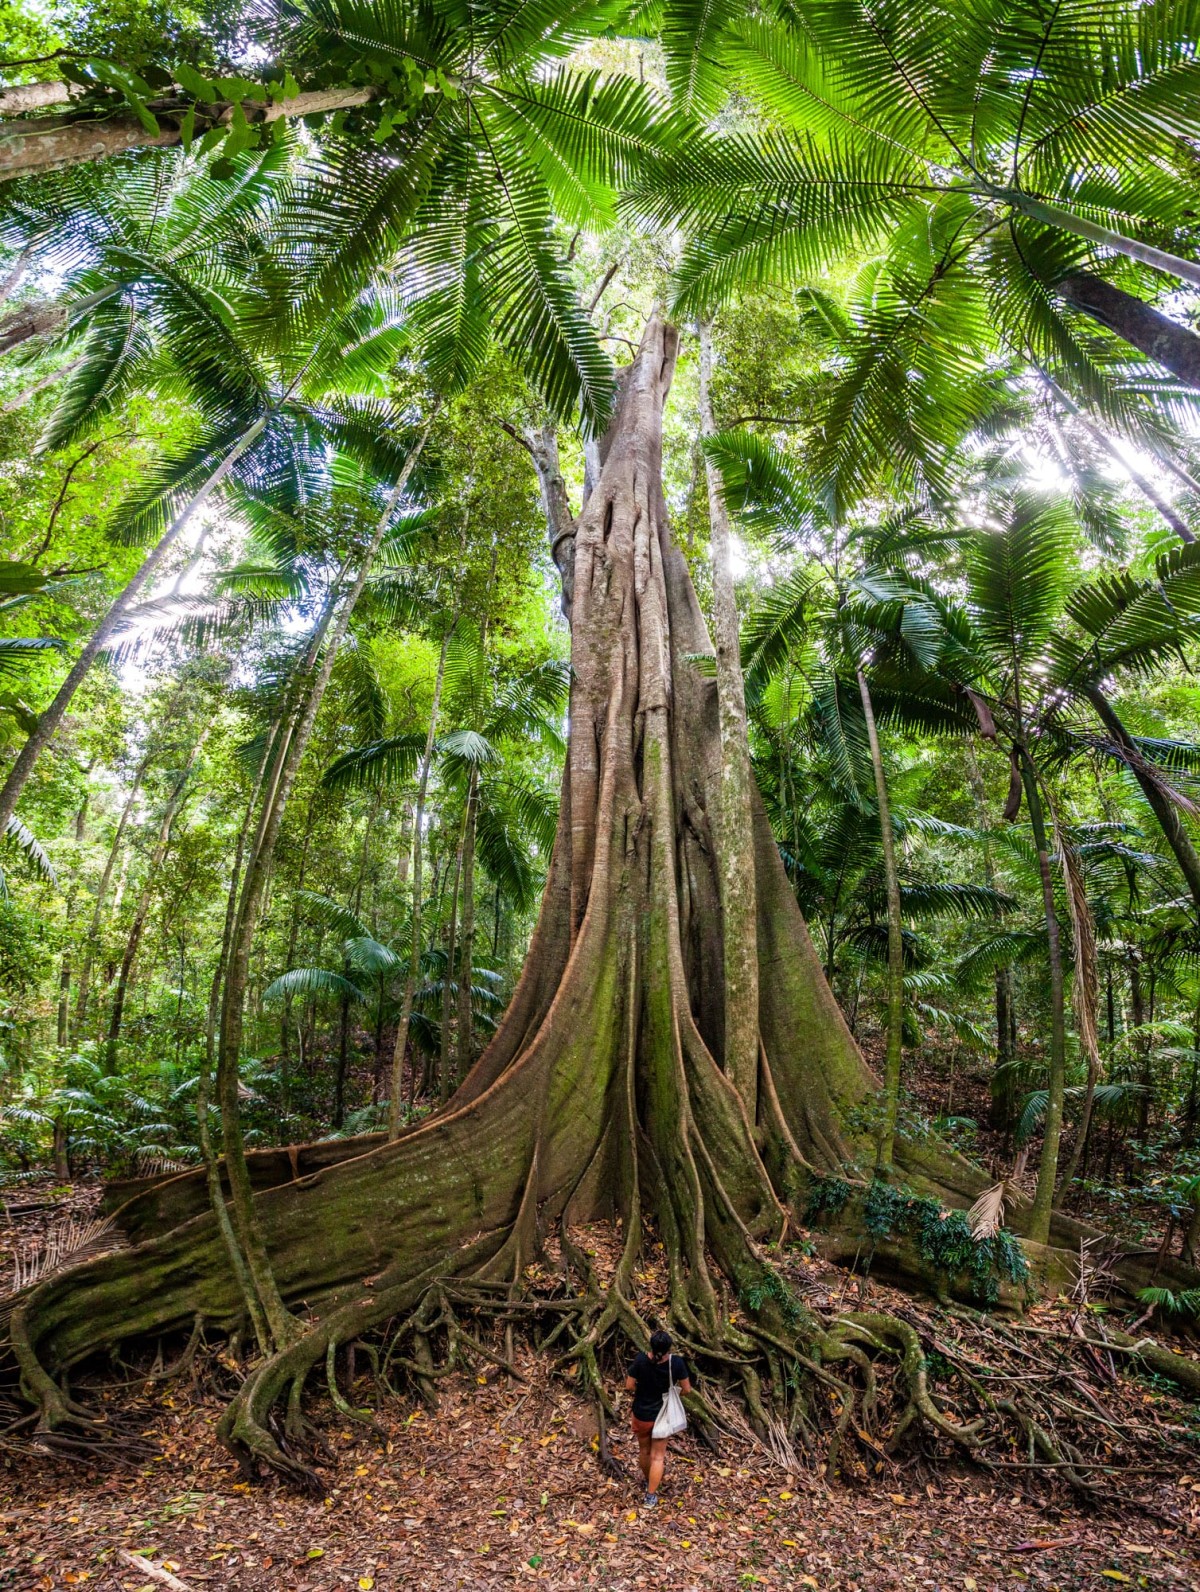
653,1378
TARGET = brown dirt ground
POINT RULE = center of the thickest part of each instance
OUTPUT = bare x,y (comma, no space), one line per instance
501,1490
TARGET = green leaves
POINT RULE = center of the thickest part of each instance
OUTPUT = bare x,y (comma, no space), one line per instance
311,981
1019,576
380,762
133,89
982,153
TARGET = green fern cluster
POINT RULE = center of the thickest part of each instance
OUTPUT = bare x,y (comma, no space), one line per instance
944,1239
1185,1304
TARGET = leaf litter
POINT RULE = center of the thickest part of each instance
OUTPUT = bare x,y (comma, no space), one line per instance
501,1488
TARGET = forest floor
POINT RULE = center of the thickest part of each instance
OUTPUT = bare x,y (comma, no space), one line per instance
501,1488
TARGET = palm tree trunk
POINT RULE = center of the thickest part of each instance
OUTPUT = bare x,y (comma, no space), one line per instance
1163,808
1106,444
1166,342
1005,1014
893,1059
414,957
49,720
466,968
1055,216
735,840
1043,1199
93,937
142,909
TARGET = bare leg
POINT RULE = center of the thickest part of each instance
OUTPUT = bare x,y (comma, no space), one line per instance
658,1461
644,1456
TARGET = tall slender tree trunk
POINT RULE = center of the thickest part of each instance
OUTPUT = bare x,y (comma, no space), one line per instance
1103,441
1043,1199
1006,1046
212,1163
445,1081
412,977
93,936
466,954
142,908
63,1027
294,926
52,717
1146,1057
1163,808
1176,348
292,745
734,817
894,1055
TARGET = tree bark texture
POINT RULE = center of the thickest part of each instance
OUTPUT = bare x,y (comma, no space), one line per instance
34,144
733,821
30,320
1176,348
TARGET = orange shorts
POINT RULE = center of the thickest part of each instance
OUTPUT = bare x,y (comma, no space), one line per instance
642,1428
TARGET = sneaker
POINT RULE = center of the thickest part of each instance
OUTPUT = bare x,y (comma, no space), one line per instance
650,1501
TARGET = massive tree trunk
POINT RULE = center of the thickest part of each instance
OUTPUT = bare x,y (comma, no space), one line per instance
603,1091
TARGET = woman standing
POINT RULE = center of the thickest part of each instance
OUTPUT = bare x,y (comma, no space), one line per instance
648,1378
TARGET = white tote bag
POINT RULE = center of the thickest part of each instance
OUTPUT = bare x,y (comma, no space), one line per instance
672,1417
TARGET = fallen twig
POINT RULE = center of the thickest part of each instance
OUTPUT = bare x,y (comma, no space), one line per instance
154,1571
